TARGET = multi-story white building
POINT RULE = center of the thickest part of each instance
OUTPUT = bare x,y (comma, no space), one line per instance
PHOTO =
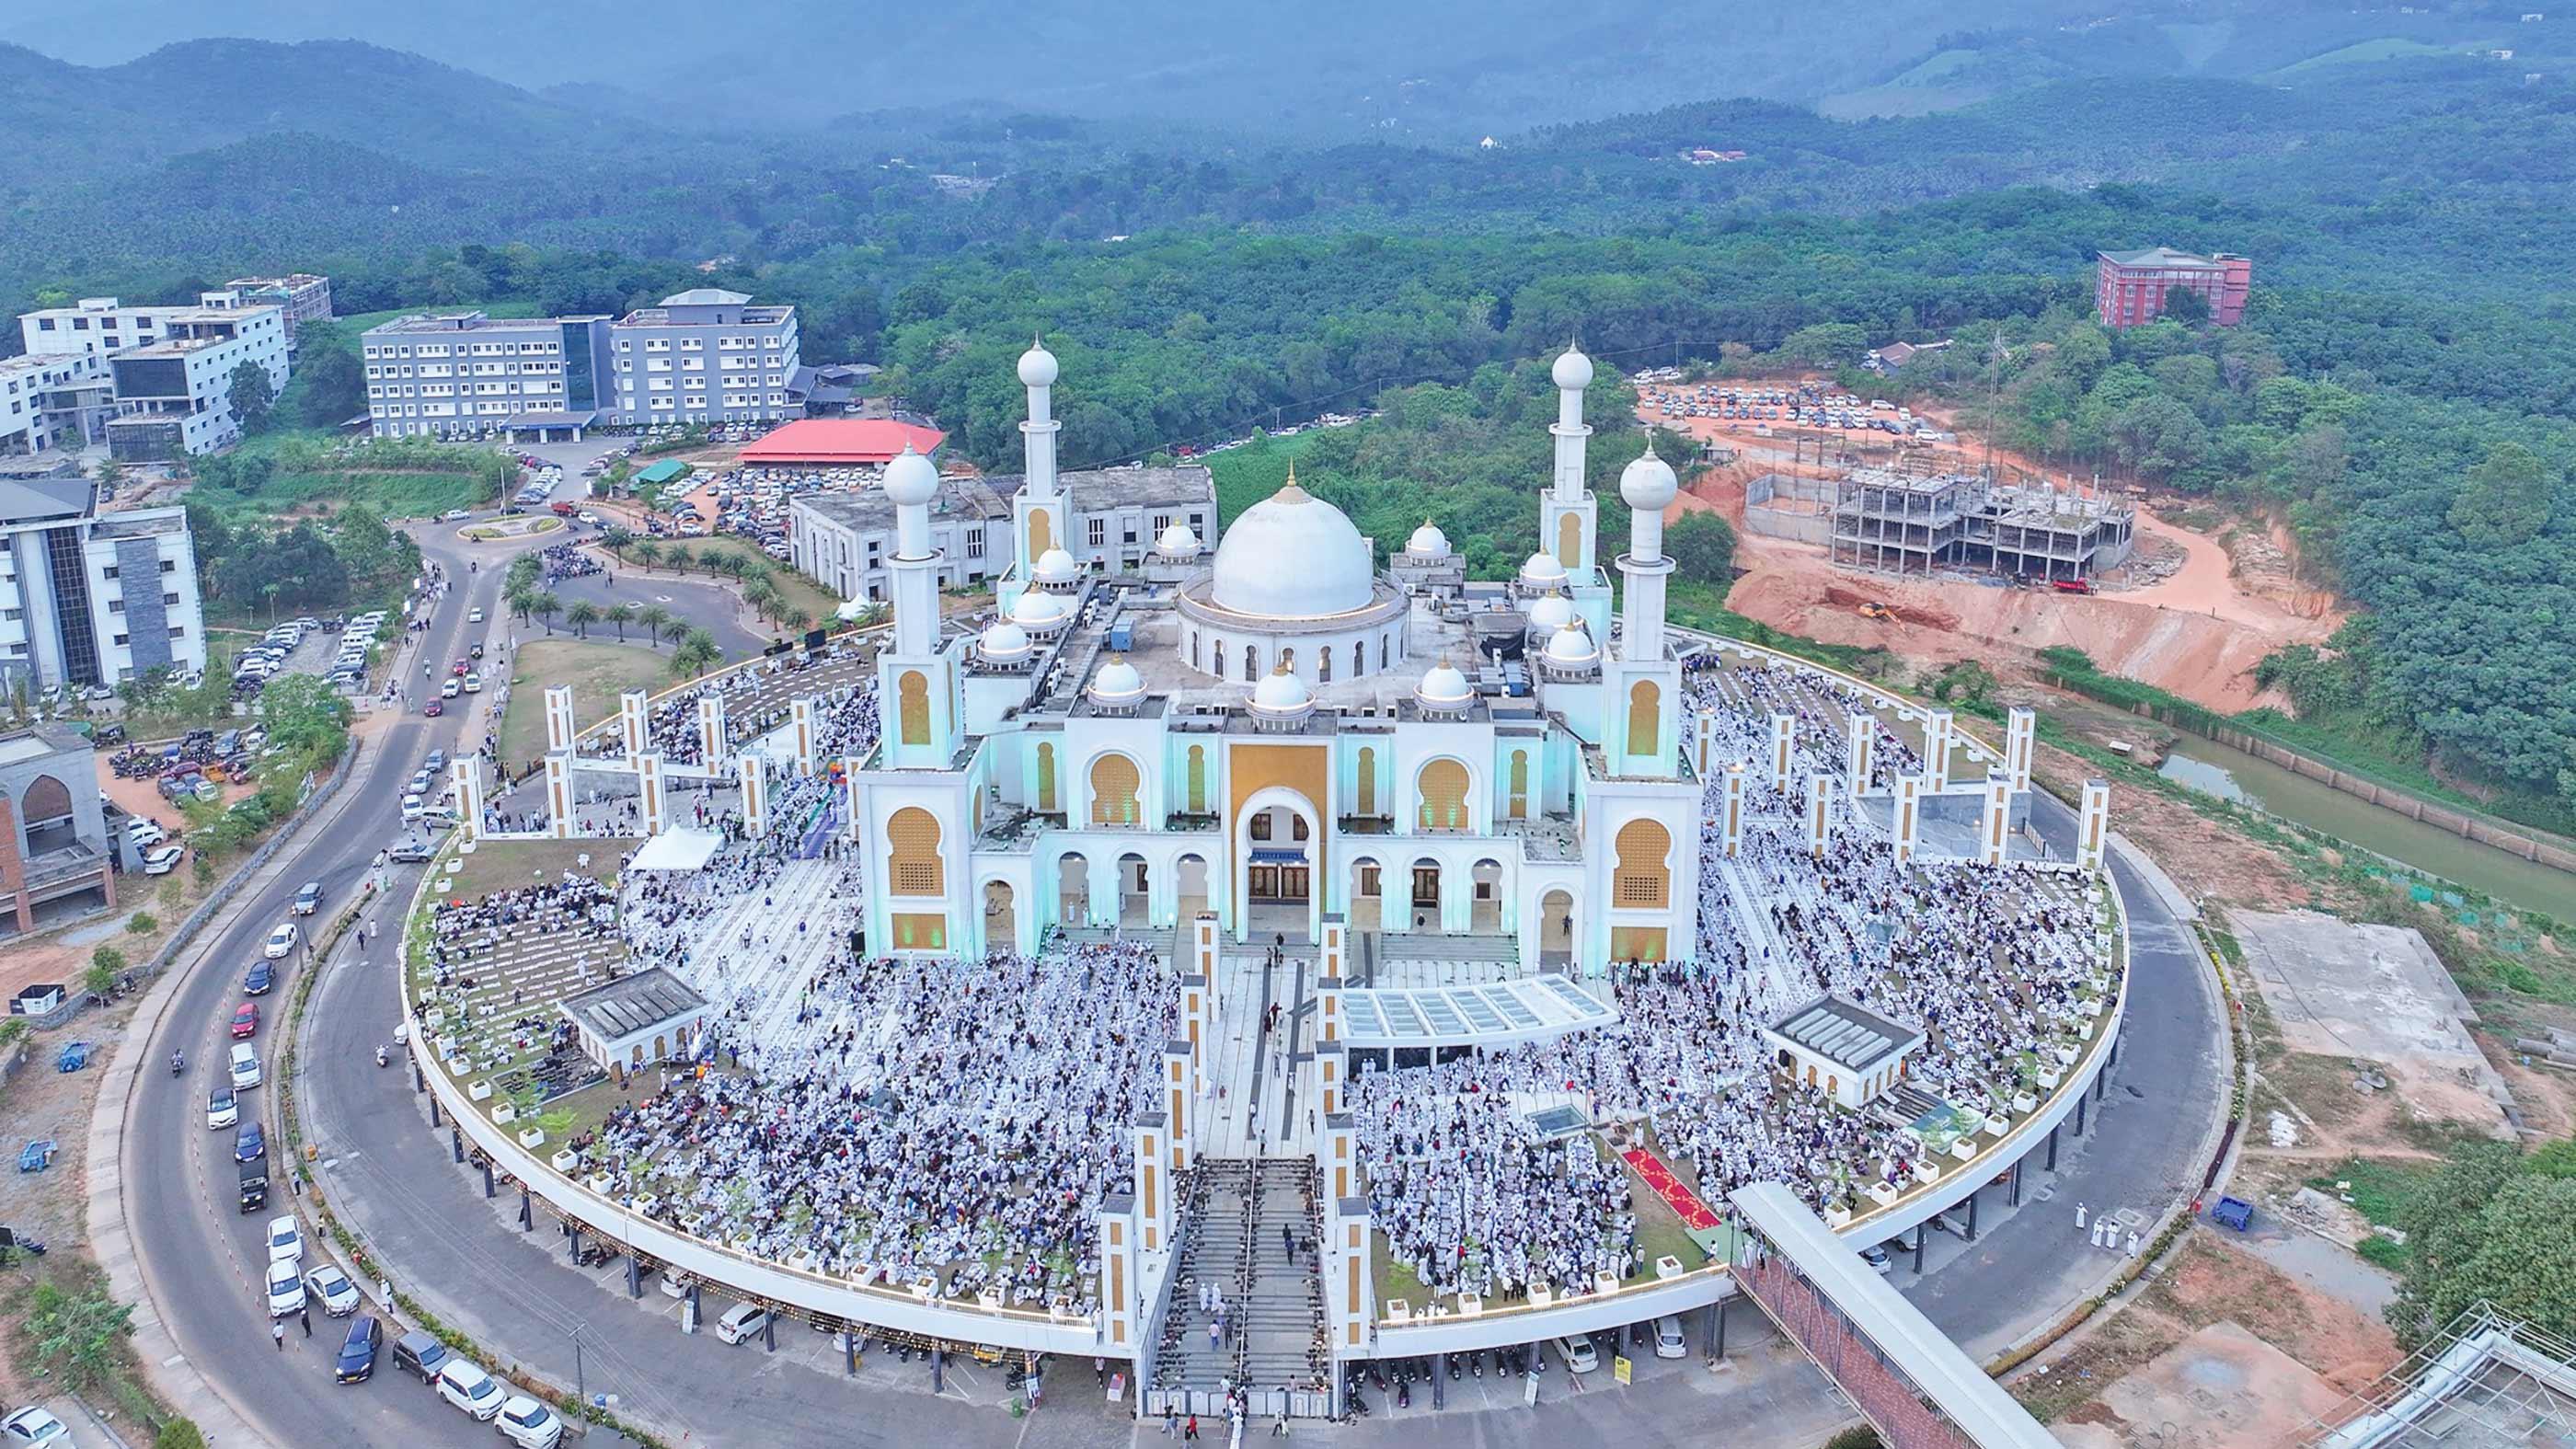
705,356
88,598
48,402
437,374
170,369
1118,515
301,296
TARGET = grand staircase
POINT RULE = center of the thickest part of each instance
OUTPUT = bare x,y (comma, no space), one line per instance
1240,1212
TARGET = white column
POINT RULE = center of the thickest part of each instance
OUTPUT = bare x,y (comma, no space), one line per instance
1909,817
633,721
1936,750
755,794
910,483
467,772
1820,792
2021,745
559,727
711,730
1153,1186
1181,1093
800,714
1337,1155
1648,486
1118,1276
559,805
1350,1295
1734,807
1861,735
1572,374
648,784
2093,830
1332,1067
1037,435
1996,830
1704,733
852,827
1784,738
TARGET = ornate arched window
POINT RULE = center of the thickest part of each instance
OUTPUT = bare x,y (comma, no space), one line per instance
1046,779
1113,790
1251,662
1443,788
1041,534
912,703
1520,785
1368,778
1324,665
1359,659
1641,880
1198,779
913,863
1569,540
1645,710
1219,669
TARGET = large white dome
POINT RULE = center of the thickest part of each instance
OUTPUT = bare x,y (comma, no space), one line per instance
1293,556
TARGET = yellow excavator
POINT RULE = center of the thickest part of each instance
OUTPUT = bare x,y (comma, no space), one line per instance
1876,611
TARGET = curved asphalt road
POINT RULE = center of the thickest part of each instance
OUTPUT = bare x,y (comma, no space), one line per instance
519,1295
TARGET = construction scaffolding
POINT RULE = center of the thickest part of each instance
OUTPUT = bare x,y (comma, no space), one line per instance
2485,1382
1900,520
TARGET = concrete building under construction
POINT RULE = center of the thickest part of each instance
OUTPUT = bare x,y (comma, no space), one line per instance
1914,523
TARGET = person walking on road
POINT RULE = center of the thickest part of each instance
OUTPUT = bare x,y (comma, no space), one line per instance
306,1313
1190,1431
277,1331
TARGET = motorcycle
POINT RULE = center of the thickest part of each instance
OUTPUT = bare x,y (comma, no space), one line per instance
382,1056
178,1063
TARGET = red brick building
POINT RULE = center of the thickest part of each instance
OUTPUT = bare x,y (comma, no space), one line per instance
2129,288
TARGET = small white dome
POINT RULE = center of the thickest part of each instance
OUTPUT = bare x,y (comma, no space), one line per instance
910,479
1551,613
1573,369
1003,640
1055,566
1571,646
1541,569
1648,482
1428,541
1444,687
1281,692
1178,539
1117,683
1037,609
1037,366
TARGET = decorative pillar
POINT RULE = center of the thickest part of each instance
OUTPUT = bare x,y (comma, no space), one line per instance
755,794
2092,831
1996,831
633,721
1336,938
1118,1275
852,829
1861,734
1936,750
800,713
1328,1010
1331,1063
559,729
559,821
711,729
1350,1297
648,783
1704,734
1153,1185
1784,734
1820,796
1182,1103
2021,745
1196,1028
1909,817
1734,808
1339,1158
467,772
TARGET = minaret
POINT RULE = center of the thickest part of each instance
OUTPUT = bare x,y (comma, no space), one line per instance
1644,687
1040,505
1649,487
1568,515
1573,373
916,680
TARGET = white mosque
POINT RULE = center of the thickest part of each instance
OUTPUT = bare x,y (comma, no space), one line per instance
1274,731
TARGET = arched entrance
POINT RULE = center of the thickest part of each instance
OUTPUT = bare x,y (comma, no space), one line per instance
1072,890
1485,908
1277,848
1425,917
1556,929
1001,917
1190,884
1135,902
1367,910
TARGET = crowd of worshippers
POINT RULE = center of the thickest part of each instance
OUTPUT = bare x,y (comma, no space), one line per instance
461,932
1475,1195
1742,698
759,701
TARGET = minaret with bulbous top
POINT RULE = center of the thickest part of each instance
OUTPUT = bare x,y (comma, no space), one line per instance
917,681
1568,515
1646,686
1039,521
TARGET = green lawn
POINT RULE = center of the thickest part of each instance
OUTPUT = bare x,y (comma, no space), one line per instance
2380,1187
2387,47
597,672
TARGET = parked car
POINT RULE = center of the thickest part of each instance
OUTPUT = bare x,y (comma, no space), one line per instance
244,1067
357,1362
421,1355
285,1290
246,1021
163,859
250,1144
281,941
410,852
339,1296
1579,1354
144,833
260,979
469,1388
1668,1337
33,1428
529,1424
740,1322
223,1109
285,1241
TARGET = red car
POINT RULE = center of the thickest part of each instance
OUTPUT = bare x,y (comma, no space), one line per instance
433,709
459,669
246,1020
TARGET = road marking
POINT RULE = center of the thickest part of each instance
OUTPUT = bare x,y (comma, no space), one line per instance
174,1360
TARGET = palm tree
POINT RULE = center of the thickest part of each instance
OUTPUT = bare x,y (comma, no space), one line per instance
728,564
581,616
763,597
798,621
620,615
521,597
655,618
696,655
546,606
618,540
650,552
679,557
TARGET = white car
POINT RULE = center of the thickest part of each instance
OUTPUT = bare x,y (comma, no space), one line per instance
449,687
33,1428
412,807
285,1289
223,1109
1668,1337
280,941
1579,1354
741,1321
163,859
473,682
285,1241
245,1067
454,515
339,1296
468,1387
474,616
529,1424
145,833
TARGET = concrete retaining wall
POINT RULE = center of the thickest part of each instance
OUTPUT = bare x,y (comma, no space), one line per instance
1762,516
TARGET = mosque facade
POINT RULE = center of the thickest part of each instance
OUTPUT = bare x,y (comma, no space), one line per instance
1267,728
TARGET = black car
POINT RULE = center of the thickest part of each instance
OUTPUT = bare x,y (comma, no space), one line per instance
250,1144
358,1353
259,979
